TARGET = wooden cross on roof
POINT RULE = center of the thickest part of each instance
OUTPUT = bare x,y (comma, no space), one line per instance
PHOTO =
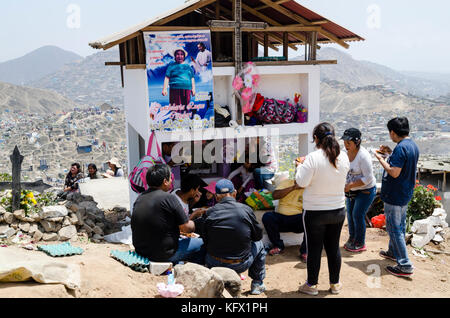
237,25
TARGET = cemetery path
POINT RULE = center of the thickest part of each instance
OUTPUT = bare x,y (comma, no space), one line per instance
362,275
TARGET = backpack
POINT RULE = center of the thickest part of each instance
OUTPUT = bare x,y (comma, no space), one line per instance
137,177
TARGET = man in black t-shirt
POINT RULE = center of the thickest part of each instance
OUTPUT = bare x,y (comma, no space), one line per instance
157,219
233,236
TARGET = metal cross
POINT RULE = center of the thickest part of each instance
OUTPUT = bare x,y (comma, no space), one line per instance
16,161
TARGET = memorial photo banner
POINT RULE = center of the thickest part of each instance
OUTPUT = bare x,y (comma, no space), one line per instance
180,79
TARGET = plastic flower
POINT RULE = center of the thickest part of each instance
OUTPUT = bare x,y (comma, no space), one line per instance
237,83
255,79
247,108
247,93
248,80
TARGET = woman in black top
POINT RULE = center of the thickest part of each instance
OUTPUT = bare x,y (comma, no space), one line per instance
71,182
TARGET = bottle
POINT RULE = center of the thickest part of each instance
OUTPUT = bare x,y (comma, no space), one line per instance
170,278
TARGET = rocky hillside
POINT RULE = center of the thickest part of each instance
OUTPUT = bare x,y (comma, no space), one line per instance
339,97
35,65
363,73
87,82
32,100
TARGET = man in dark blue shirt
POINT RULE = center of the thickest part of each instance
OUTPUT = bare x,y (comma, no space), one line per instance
397,188
232,236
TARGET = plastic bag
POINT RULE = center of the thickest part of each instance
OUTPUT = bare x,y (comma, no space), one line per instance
378,221
245,85
170,291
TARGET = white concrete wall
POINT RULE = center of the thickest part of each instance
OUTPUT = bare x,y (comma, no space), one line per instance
276,81
137,114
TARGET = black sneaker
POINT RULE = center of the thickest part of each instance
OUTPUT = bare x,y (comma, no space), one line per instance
354,248
396,271
387,255
348,243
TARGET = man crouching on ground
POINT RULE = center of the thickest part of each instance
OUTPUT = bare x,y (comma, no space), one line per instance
233,236
157,219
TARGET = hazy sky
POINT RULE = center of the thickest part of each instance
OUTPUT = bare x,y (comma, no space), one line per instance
402,34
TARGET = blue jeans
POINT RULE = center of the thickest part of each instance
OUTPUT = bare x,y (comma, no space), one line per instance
276,223
396,228
356,214
255,263
260,175
190,250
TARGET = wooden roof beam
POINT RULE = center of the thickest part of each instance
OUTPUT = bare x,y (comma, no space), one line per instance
266,6
285,29
286,12
333,38
302,20
261,41
270,21
280,41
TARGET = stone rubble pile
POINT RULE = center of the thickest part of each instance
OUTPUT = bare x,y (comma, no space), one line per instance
429,229
72,220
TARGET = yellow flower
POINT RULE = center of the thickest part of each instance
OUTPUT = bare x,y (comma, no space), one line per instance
34,201
30,195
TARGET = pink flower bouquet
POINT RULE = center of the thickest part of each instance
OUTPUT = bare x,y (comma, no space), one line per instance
245,86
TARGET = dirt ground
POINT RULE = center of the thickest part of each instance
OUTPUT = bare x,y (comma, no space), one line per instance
362,275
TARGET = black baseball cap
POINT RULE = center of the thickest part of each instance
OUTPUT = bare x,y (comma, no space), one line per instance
352,134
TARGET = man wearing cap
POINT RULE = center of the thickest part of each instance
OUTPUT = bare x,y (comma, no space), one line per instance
232,237
180,78
360,189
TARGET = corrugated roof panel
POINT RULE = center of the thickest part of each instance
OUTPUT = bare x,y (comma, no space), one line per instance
293,6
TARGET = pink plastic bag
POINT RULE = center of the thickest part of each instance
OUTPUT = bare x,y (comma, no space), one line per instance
170,291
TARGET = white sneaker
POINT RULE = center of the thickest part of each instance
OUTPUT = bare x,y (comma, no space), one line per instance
335,288
310,290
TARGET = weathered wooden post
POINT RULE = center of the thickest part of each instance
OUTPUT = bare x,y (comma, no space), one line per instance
16,160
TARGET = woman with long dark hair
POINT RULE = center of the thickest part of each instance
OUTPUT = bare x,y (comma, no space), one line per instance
92,171
323,175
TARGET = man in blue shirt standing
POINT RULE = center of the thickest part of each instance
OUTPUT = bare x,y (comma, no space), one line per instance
397,188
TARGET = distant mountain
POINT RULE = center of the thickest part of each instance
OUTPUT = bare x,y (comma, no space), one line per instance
32,100
90,82
87,82
363,73
441,77
338,97
36,64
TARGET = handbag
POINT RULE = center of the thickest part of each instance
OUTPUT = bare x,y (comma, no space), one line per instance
137,177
